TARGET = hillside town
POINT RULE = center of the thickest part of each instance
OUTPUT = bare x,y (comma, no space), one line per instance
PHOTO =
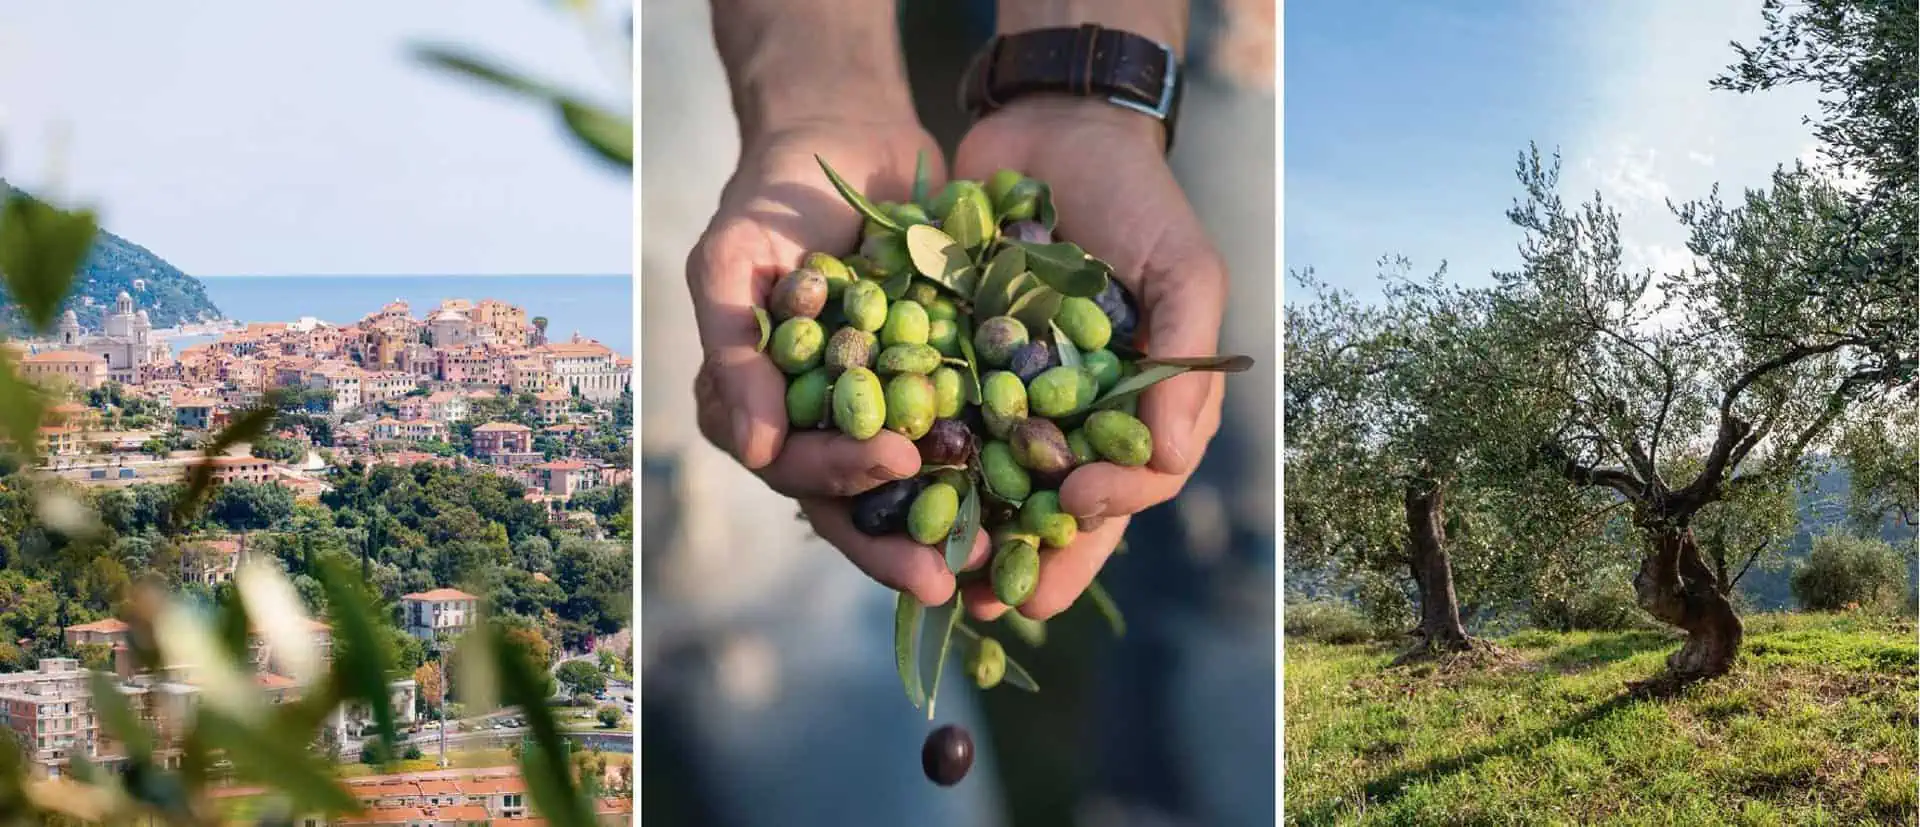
470,383
387,430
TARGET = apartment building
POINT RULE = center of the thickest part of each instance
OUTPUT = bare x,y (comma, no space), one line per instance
75,368
429,614
500,441
49,713
587,368
564,478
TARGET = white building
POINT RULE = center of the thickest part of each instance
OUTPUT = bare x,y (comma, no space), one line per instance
430,614
127,342
586,367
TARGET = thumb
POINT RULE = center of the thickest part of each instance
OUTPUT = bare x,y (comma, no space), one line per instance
726,285
1184,304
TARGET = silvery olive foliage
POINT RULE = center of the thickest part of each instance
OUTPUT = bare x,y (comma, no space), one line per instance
234,732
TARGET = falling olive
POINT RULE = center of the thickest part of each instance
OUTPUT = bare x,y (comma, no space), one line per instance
947,755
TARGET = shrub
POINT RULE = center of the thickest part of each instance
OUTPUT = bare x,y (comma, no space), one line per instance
610,716
1328,621
413,752
582,699
1601,600
1843,570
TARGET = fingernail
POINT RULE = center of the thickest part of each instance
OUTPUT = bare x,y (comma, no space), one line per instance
1099,508
882,472
742,431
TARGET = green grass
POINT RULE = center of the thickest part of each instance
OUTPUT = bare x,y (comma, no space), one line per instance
1815,726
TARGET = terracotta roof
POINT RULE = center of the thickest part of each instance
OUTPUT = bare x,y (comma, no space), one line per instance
563,465
268,680
494,786
65,356
440,594
109,625
501,426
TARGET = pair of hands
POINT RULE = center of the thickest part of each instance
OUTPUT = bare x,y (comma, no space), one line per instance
1116,198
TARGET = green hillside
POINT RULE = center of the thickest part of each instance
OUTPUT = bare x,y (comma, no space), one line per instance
1816,725
169,296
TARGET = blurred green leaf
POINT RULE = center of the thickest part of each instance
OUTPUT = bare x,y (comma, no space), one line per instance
523,684
907,614
41,250
266,756
1108,608
922,179
360,667
117,718
1045,212
480,69
1037,308
897,284
1029,631
22,406
608,135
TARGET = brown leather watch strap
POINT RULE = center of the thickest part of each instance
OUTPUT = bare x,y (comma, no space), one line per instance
1085,61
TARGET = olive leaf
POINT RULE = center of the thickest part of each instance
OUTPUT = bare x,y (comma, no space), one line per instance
116,717
765,322
971,221
1006,266
1017,675
263,756
1066,268
966,524
1029,631
896,285
938,257
1108,608
922,179
1036,307
859,202
907,614
944,618
1069,353
1156,371
608,135
22,404
524,684
965,336
41,250
1001,298
1044,208
360,664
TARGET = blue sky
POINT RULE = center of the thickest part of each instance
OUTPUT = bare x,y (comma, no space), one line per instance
1404,122
248,137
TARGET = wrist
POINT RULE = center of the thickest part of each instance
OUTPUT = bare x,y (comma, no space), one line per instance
1065,114
847,67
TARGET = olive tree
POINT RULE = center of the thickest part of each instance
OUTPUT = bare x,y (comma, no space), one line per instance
1387,430
1799,307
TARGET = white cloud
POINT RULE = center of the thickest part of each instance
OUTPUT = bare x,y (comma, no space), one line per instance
1657,131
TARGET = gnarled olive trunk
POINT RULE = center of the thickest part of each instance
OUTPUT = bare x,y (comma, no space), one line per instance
1676,587
1433,569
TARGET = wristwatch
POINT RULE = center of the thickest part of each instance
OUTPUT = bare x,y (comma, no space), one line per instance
1087,61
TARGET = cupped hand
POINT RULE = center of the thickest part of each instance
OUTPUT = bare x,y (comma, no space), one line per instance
1116,197
777,208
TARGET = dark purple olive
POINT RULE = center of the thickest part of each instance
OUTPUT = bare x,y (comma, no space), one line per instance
1033,359
948,442
883,510
1032,232
947,755
1121,310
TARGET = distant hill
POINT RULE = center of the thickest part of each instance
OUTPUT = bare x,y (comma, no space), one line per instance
169,296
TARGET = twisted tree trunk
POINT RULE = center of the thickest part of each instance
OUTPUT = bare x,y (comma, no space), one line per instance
1676,587
1440,626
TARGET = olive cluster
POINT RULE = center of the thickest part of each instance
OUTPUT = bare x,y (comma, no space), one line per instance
998,391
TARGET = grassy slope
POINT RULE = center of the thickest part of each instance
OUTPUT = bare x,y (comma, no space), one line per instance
1815,726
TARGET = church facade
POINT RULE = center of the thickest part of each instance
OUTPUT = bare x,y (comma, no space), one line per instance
126,342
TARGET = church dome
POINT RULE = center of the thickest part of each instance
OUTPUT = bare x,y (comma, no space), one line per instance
69,317
142,318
